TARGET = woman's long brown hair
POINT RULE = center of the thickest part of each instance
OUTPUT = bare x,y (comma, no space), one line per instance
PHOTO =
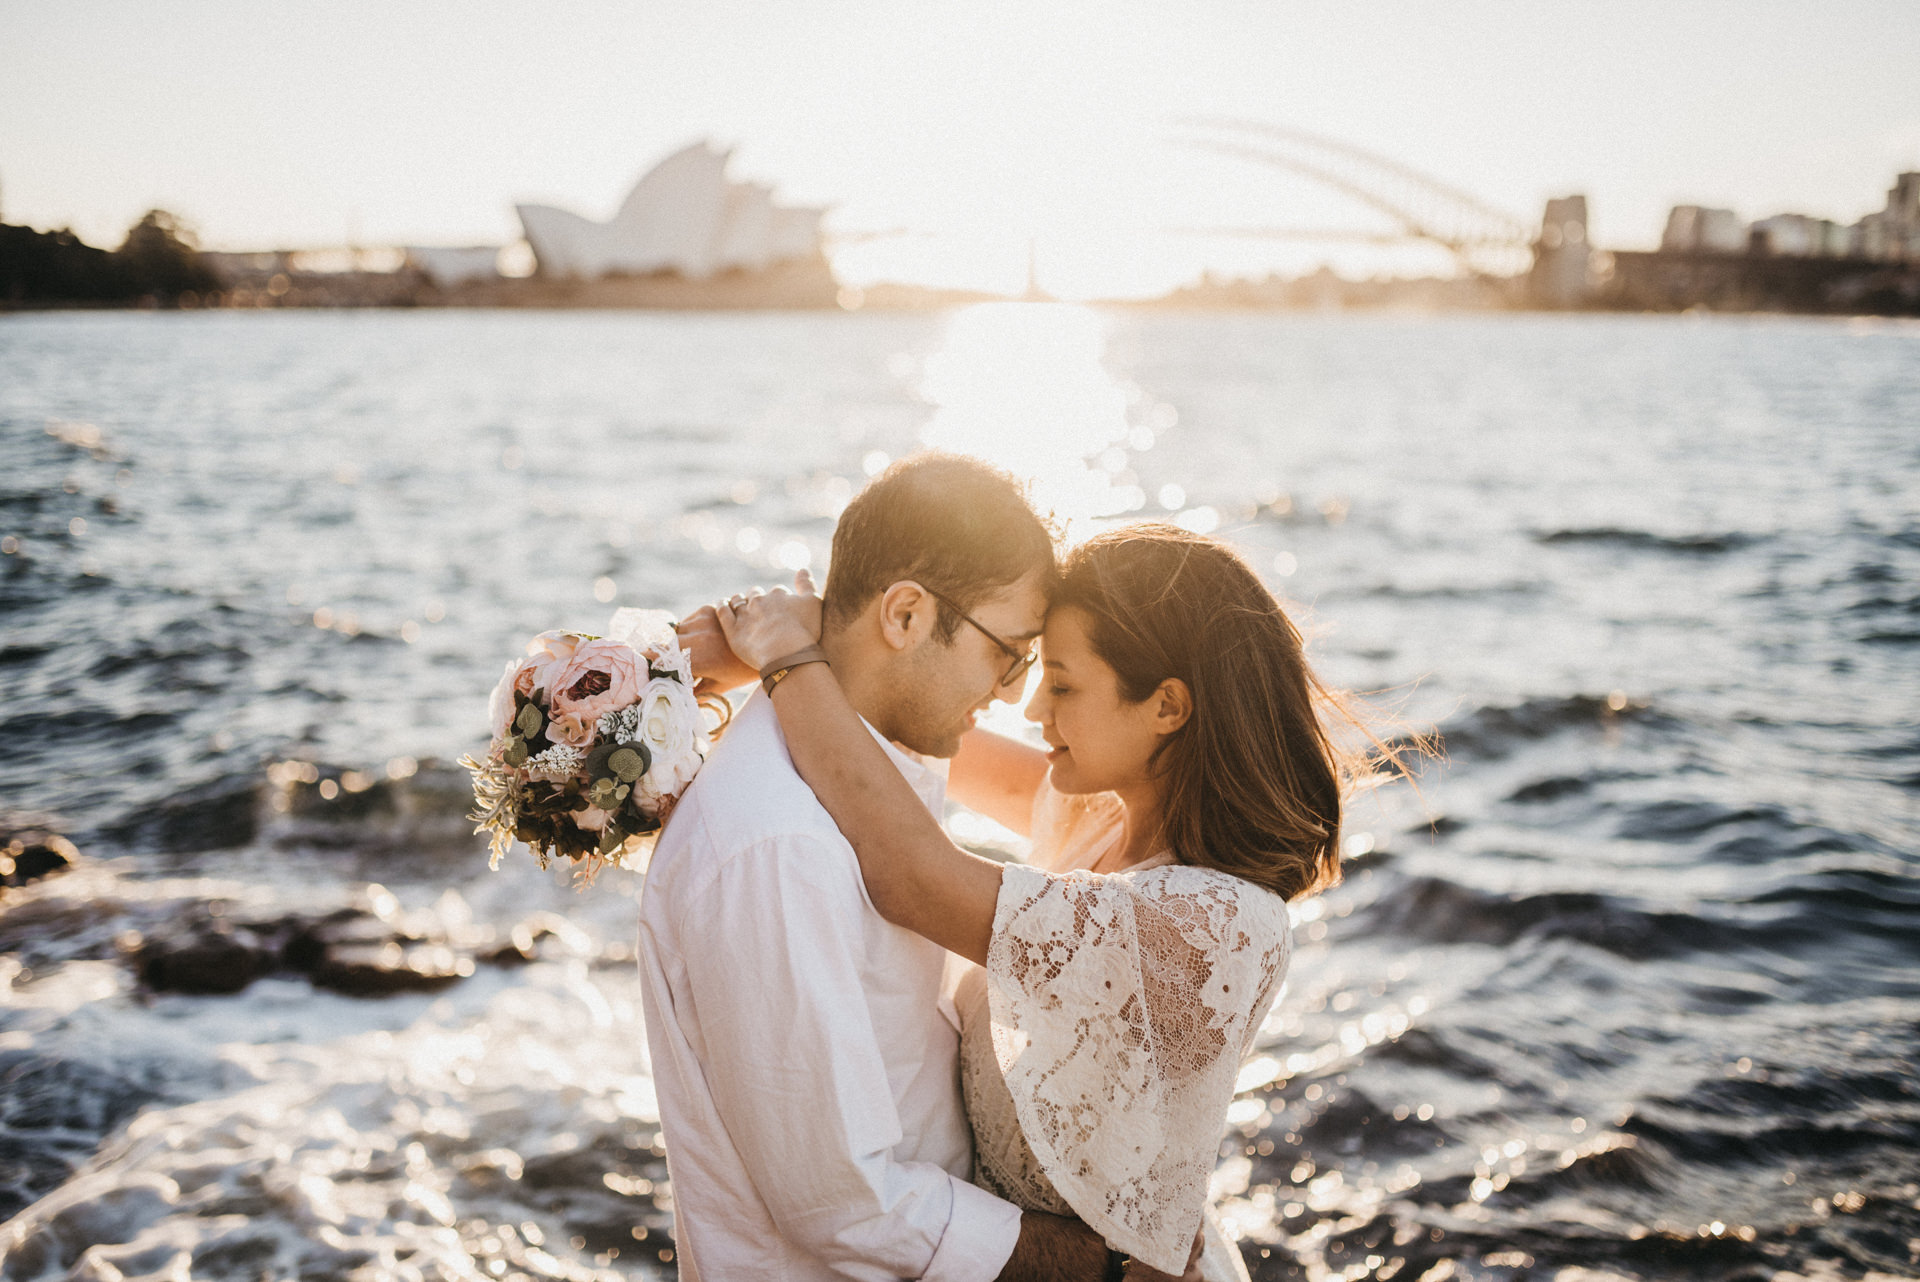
1254,784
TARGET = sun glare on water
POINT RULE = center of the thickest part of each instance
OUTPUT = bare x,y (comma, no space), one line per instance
1023,386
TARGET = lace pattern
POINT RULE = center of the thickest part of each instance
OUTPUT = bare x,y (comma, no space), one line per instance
1119,1009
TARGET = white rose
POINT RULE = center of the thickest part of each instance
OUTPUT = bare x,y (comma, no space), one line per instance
669,657
500,702
670,725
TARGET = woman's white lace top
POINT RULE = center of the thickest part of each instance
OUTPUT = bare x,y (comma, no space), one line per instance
1101,1043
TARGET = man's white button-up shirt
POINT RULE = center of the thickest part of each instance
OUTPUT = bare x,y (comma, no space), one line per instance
808,1083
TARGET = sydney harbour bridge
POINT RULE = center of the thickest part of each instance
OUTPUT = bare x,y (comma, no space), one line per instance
1419,208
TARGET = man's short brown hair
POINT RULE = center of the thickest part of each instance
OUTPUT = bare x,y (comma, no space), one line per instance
948,522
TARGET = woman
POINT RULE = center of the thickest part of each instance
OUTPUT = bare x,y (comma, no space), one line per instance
1189,790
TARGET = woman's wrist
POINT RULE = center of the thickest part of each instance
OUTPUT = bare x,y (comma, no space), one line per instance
776,670
782,643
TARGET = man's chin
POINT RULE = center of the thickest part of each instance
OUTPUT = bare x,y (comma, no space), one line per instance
933,744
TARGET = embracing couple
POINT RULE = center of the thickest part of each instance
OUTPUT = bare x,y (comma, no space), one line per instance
881,1056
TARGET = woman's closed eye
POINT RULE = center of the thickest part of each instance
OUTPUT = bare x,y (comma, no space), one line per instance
1055,689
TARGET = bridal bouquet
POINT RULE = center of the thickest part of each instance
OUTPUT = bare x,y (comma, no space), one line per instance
594,739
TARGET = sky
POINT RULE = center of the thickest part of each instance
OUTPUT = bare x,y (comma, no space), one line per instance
948,138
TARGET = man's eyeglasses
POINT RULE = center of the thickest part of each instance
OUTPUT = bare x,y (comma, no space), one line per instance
1022,659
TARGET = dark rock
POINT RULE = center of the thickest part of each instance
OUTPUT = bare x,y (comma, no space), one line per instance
220,815
355,952
207,955
32,853
378,970
522,945
350,950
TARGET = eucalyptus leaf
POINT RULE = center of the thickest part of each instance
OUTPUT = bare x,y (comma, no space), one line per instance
597,767
627,764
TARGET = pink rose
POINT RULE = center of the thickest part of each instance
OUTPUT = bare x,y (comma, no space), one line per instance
546,653
592,819
564,727
598,678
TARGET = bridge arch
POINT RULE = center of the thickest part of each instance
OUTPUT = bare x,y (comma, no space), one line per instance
1423,209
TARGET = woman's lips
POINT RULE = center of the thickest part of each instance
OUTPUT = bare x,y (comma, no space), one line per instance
1054,754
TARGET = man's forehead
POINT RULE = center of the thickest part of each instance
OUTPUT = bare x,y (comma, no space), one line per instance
1021,607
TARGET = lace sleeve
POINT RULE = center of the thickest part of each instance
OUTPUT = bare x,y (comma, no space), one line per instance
1121,1008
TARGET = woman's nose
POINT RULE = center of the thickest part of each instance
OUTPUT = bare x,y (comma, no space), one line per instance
1036,709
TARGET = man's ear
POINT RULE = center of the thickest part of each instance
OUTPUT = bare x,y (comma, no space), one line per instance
1172,706
906,615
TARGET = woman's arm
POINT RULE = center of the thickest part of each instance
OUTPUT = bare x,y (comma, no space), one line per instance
998,777
992,774
915,876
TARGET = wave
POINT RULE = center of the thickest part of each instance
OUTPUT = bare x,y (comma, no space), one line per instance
419,806
1454,592
333,1133
1646,541
53,1113
1440,911
1494,731
1553,788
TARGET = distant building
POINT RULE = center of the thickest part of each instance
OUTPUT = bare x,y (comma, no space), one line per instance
683,216
1694,229
1890,235
450,266
1789,236
1893,234
1562,274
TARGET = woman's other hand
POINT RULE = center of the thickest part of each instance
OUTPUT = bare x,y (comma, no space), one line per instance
764,626
716,668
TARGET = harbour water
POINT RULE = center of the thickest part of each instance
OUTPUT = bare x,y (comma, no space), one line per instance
1630,987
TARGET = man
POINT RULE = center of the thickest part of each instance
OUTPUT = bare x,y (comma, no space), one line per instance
806,1076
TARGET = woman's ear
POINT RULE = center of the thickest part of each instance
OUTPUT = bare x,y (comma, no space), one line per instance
1172,706
906,615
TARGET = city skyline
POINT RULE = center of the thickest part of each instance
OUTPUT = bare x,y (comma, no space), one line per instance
973,133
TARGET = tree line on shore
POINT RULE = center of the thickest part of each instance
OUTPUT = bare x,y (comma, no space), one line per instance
159,263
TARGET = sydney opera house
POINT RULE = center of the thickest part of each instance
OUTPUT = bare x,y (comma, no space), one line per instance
684,216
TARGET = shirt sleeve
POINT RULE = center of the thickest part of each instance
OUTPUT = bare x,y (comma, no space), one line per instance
796,1074
1121,1008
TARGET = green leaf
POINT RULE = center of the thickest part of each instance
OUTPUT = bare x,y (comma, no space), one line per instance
529,722
597,767
627,764
516,752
